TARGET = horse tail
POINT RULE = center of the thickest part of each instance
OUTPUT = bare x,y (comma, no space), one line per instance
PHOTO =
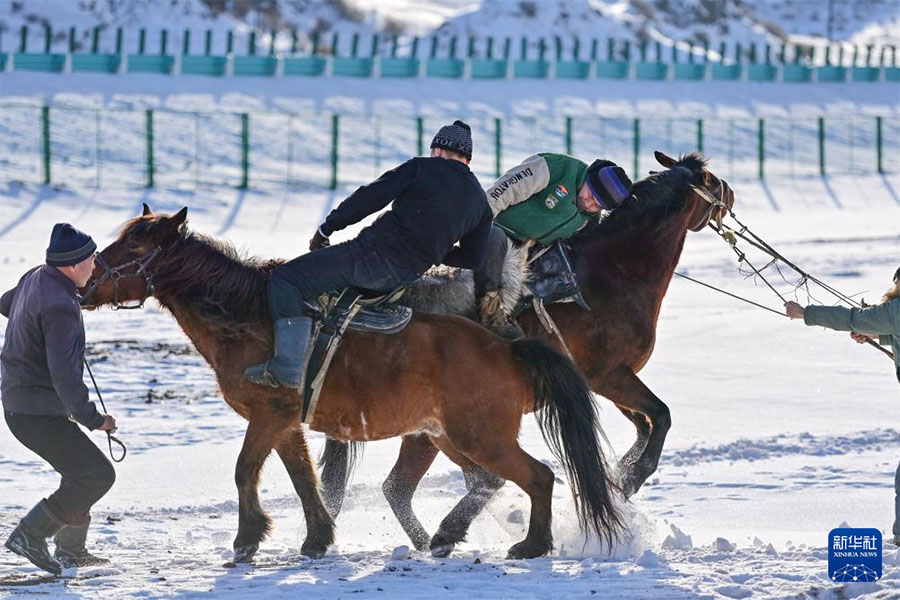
338,461
570,427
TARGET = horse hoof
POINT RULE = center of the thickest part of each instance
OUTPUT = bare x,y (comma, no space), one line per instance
442,551
312,551
441,545
525,550
245,554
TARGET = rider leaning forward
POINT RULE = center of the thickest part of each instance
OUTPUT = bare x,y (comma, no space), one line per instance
437,202
546,198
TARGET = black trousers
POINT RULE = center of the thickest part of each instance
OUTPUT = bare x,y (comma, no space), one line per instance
86,473
489,276
349,264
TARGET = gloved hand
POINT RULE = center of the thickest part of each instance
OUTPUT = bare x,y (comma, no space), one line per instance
318,241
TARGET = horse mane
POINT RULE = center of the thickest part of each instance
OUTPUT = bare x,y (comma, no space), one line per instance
653,198
224,288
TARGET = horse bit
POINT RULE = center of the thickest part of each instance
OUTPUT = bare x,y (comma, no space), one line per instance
115,273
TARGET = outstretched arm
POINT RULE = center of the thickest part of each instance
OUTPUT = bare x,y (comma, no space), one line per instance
883,319
369,199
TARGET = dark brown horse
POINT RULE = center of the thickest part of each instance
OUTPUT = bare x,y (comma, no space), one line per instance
624,266
443,377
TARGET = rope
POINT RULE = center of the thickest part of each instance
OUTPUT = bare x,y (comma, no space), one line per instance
730,235
110,438
712,287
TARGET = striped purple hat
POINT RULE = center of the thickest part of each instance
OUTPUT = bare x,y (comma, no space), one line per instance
608,183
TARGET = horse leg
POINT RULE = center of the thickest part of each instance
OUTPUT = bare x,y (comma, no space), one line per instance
505,459
624,388
294,453
253,522
481,486
338,461
643,435
416,455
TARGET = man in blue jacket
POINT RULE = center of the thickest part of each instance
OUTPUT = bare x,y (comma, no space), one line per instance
43,397
437,202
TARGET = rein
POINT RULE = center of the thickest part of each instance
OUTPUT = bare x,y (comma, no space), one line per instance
741,298
110,438
731,236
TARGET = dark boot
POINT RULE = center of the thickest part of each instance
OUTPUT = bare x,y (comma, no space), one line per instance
29,538
286,369
491,315
70,550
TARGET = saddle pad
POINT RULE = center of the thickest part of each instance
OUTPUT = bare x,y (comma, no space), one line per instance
388,319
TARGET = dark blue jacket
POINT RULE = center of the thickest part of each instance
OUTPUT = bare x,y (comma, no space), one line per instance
41,364
436,202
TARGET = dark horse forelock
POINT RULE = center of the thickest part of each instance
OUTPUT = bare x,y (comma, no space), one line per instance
223,288
695,161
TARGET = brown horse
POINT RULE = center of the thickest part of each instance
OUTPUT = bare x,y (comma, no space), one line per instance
443,377
624,265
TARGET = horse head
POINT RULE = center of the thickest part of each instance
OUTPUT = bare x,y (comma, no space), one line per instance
123,275
709,198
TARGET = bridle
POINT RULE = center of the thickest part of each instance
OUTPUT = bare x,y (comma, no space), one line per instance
115,273
714,203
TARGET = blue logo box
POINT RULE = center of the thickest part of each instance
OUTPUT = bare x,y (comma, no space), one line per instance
854,555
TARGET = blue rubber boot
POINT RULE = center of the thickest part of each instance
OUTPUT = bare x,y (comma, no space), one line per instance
286,368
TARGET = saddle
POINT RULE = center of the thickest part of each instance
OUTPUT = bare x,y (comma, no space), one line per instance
552,279
337,311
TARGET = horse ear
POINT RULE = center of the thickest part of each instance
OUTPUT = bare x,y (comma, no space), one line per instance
707,178
179,218
147,210
666,161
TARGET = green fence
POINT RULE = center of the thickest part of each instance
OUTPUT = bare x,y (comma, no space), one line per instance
258,52
76,146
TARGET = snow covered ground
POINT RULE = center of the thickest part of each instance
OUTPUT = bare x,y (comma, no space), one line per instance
781,432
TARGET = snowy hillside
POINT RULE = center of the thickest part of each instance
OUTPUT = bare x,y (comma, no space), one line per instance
696,21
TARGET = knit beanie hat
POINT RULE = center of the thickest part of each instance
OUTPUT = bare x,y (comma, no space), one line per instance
68,246
456,138
608,183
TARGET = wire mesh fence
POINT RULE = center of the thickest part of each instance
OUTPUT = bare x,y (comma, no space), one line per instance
110,147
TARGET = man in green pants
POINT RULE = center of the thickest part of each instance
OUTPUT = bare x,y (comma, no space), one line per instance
547,197
880,323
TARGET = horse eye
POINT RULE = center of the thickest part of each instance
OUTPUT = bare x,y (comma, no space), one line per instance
132,246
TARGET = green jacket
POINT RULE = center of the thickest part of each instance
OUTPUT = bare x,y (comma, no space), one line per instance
883,319
537,199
